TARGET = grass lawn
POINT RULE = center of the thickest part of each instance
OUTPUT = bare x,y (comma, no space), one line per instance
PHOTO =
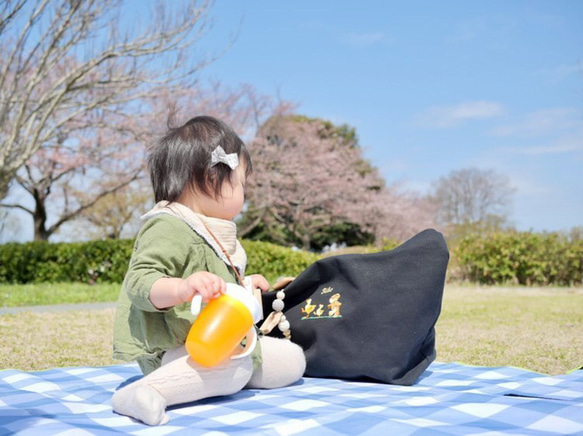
533,328
57,293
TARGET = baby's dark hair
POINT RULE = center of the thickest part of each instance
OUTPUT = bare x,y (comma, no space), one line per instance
182,158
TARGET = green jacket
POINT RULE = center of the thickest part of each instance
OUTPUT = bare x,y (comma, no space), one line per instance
165,247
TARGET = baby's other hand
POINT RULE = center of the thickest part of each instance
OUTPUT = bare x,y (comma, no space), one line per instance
207,284
258,281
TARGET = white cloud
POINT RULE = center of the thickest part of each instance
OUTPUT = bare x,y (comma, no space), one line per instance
450,116
469,30
395,166
362,40
522,177
566,144
528,187
493,31
551,149
419,186
541,122
560,72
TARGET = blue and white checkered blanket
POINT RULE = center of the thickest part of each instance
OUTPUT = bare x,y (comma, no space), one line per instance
449,399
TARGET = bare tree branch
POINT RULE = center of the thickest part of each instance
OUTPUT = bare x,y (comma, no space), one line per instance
8,10
79,210
17,206
472,199
46,85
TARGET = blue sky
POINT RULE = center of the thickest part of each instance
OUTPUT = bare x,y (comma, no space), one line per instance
430,86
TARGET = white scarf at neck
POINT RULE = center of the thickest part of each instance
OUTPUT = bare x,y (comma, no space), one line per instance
224,230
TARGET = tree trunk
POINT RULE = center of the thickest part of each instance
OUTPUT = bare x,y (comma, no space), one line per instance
115,233
40,218
5,179
306,239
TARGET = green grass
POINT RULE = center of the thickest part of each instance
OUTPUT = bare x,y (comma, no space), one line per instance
36,341
533,328
57,293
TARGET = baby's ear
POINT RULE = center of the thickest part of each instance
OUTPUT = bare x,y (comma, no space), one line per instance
282,282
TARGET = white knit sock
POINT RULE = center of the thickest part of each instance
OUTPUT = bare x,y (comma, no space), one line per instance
284,363
142,403
180,380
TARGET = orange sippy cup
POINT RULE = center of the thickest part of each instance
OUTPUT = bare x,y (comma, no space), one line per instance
222,325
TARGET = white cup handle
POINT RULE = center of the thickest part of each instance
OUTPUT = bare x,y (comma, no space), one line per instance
195,305
249,345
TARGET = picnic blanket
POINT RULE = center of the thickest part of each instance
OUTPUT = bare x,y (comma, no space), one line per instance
449,399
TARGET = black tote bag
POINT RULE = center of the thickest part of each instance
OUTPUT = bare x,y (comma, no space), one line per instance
369,316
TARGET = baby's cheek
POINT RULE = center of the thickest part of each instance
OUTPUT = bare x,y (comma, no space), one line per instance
227,191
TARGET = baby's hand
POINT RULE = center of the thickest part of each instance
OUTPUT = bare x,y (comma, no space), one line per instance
258,281
207,284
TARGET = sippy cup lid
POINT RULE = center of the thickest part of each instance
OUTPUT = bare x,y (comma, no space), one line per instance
239,293
247,298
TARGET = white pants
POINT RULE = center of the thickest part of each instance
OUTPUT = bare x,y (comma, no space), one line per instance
181,380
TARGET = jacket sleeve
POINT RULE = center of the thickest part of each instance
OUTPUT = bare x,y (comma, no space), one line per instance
163,249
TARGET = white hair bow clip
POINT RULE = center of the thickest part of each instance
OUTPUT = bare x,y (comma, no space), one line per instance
219,156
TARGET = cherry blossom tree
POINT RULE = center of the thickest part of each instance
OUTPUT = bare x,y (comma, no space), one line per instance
73,174
117,215
310,175
66,61
243,108
87,174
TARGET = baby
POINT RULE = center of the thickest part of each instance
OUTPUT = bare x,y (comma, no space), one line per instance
188,246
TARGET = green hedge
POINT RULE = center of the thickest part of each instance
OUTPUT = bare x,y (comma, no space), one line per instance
107,261
511,257
274,261
38,262
523,258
